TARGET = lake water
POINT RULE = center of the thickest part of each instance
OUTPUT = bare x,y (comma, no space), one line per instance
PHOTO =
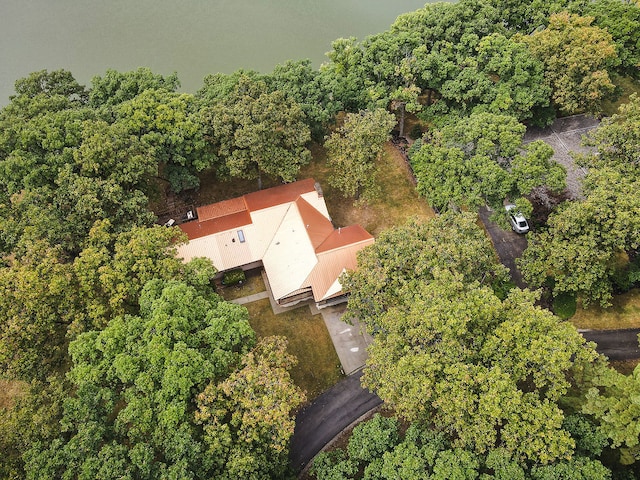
192,37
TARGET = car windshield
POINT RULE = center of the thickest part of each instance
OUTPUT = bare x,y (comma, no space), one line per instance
522,223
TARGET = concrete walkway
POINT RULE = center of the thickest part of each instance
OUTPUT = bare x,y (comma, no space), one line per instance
350,341
250,298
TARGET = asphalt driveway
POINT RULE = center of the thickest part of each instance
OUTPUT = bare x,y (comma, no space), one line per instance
328,415
507,244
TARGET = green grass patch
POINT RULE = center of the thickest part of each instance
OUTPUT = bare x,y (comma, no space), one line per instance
564,305
623,313
627,86
398,200
318,364
252,284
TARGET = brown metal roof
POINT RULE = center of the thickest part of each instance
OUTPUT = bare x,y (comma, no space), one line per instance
278,195
331,264
197,229
318,226
221,209
342,237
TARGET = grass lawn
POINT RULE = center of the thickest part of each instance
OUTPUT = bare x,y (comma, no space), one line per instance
398,201
624,313
628,86
253,284
318,364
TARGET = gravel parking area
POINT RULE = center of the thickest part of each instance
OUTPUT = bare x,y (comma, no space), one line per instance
564,136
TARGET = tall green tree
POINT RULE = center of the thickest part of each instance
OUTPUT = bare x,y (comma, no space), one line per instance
378,450
169,125
113,268
487,373
404,257
613,402
482,160
622,20
254,132
116,87
135,388
353,150
498,76
586,240
576,56
306,86
39,301
616,142
247,418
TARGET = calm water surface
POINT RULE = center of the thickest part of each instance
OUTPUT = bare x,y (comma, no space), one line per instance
192,37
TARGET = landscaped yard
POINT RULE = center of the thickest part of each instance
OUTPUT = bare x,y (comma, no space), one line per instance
628,86
253,284
318,364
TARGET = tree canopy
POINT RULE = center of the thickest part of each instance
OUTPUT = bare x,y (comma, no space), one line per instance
588,240
488,373
576,55
405,256
136,384
253,132
482,160
353,149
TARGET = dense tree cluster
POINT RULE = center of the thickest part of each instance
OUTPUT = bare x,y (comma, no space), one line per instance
481,160
490,384
588,243
116,341
453,59
379,450
130,366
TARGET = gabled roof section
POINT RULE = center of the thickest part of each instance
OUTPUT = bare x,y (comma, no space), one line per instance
331,264
271,197
197,229
344,236
221,209
318,226
290,257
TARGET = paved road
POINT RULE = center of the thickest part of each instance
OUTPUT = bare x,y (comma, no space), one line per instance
333,411
615,344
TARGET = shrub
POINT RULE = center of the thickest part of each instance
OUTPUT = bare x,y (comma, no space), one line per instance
564,305
233,277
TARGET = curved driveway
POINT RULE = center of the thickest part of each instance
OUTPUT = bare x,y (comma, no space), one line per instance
328,415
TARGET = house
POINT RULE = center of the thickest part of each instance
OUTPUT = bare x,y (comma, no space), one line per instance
286,230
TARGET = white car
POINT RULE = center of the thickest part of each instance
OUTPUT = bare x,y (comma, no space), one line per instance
516,219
